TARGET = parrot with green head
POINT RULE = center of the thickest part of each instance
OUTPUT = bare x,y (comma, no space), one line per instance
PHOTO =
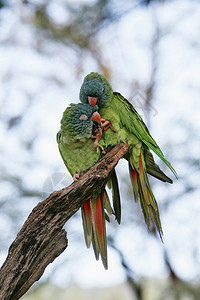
79,123
127,126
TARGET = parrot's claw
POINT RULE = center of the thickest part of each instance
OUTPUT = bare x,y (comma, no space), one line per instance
105,124
76,176
97,137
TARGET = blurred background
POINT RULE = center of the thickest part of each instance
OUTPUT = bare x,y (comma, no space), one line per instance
149,50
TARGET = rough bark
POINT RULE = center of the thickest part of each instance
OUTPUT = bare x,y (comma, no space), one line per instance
42,237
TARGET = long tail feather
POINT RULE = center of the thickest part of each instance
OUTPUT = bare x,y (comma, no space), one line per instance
153,169
93,217
133,176
87,222
116,196
95,245
160,154
100,229
141,187
149,198
107,204
94,236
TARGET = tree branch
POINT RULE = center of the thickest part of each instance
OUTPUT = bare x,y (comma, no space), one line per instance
42,237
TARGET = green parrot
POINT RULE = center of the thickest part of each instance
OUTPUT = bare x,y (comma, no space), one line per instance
79,152
127,126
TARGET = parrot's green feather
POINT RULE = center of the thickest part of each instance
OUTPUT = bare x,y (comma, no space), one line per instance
153,169
115,196
95,245
87,222
107,204
134,123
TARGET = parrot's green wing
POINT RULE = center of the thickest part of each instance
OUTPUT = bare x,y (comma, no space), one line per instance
153,169
134,123
58,139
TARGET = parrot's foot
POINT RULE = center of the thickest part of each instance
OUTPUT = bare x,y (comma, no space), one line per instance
105,124
76,176
97,136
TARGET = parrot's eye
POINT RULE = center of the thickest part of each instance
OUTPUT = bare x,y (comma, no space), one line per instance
103,90
83,117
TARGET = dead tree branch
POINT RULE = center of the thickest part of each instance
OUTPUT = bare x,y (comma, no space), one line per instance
42,237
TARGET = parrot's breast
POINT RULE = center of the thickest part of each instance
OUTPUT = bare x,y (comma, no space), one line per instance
79,155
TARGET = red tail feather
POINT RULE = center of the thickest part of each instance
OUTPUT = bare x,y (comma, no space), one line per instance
94,225
134,176
134,179
140,164
87,210
99,218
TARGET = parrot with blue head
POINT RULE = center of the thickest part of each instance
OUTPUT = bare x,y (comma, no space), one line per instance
79,152
127,126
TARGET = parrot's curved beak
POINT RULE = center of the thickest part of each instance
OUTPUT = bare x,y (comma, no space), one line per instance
96,117
92,100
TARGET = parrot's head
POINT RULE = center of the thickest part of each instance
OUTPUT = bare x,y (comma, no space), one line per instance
96,90
80,120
